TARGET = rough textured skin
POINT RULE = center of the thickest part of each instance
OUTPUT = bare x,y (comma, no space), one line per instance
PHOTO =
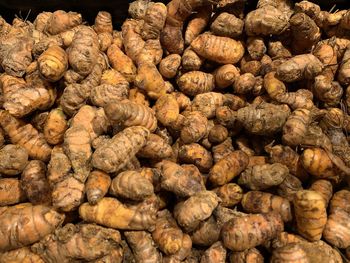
261,177
344,69
337,229
289,253
300,67
207,103
176,179
11,192
76,242
35,184
310,214
13,159
150,80
55,126
230,194
106,93
201,204
253,230
222,50
154,21
167,235
156,148
112,213
129,114
24,255
324,188
198,23
191,60
251,255
122,147
195,82
195,127
265,21
60,21
97,186
225,76
228,168
103,23
167,109
143,247
261,202
26,136
227,25
216,253
26,224
207,233
121,62
196,154
131,185
169,65
53,63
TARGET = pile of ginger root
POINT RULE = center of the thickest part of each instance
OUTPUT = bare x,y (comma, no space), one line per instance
201,132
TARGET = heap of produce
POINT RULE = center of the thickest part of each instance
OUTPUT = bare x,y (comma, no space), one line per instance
200,132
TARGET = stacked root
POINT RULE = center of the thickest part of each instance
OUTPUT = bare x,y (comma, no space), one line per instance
200,132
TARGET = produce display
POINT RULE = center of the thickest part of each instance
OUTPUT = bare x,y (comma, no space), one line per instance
201,131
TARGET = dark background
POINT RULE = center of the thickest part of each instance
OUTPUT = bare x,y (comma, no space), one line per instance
89,8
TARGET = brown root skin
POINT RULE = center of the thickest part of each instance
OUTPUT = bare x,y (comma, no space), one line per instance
218,49
305,66
41,221
167,109
121,63
35,184
227,25
53,63
97,186
251,235
143,247
216,253
201,204
340,201
103,23
324,188
264,21
154,21
11,192
176,179
261,177
23,254
221,150
122,147
191,61
91,242
169,66
55,126
291,252
194,128
131,185
230,194
260,202
310,214
112,213
13,159
131,114
228,168
207,103
26,136
167,235
250,255
198,23
60,21
225,75
156,148
196,82
207,233
150,80
337,229
196,154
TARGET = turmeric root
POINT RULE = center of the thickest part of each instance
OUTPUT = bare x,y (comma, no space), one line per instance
176,179
143,247
249,256
154,21
55,126
103,23
194,127
339,201
53,63
310,214
92,241
131,114
216,253
221,150
60,21
97,186
39,221
26,136
227,25
155,148
254,230
112,213
225,75
35,184
222,50
195,82
122,147
324,188
13,159
230,194
260,177
131,185
23,254
207,103
207,233
260,202
336,231
198,23
169,66
201,204
121,63
167,235
228,168
11,192
196,154
191,61
167,109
